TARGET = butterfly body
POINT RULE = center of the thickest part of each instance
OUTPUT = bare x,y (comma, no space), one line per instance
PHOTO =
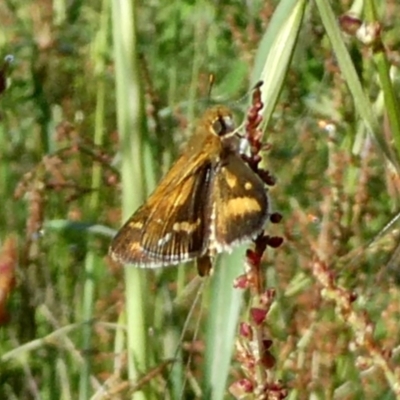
209,201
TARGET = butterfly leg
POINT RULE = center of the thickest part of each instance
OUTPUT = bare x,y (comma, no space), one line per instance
204,265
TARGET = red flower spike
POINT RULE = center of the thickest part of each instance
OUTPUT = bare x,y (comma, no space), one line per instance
353,297
251,161
268,360
246,330
251,116
350,24
240,388
253,258
267,343
247,385
258,104
255,118
275,390
267,297
275,218
241,282
258,315
261,244
249,253
266,177
275,241
8,265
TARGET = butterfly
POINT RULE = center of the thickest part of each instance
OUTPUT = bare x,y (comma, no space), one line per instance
207,203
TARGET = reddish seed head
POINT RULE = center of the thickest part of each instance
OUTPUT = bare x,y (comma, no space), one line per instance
246,385
268,360
261,244
353,297
241,282
240,388
275,218
246,330
258,315
267,343
350,24
267,297
253,258
275,241
266,177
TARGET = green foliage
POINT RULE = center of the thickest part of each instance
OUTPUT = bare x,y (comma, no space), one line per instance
79,126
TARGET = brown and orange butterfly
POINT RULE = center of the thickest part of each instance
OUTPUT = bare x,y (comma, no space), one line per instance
208,202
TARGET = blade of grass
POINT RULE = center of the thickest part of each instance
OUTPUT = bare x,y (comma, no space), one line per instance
131,127
93,263
224,311
361,101
272,62
68,225
275,53
383,68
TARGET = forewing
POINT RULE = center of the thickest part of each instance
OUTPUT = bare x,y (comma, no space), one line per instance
176,230
170,227
240,204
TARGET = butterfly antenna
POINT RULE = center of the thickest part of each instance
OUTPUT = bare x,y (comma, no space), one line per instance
211,83
196,284
392,266
371,244
247,94
388,226
196,332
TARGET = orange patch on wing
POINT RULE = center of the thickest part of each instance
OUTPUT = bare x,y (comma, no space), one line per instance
136,224
186,226
135,246
248,186
242,205
231,179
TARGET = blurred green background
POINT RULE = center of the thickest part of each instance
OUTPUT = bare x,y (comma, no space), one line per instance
82,81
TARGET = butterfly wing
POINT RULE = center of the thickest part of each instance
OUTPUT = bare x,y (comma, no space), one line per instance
209,201
171,226
182,234
240,204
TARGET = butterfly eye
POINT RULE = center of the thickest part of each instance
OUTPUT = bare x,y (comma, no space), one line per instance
223,125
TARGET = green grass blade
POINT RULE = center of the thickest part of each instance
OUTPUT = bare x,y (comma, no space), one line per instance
275,52
383,68
131,128
222,321
361,101
93,263
272,62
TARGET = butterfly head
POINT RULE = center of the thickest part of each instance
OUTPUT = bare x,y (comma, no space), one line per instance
219,121
220,124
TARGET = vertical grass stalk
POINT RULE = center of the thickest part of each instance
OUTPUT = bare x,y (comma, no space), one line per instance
93,263
131,127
